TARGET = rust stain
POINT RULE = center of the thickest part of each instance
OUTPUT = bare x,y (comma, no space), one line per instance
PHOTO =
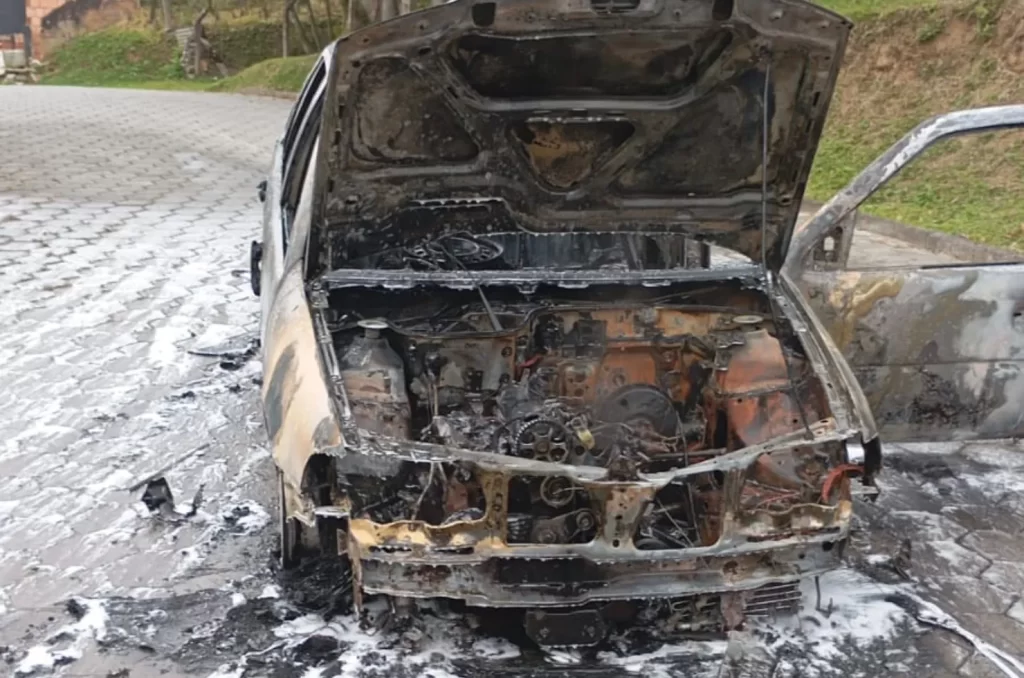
853,298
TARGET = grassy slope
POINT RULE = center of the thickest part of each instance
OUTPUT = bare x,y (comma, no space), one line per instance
113,57
139,58
280,75
914,64
870,9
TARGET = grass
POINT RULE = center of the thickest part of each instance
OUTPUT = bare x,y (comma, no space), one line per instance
115,57
280,75
143,59
968,186
867,9
906,68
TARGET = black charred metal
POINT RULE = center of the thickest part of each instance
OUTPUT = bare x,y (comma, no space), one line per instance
440,124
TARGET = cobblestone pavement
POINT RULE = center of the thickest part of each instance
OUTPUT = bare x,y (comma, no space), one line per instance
125,219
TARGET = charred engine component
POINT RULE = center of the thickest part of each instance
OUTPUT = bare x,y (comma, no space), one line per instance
537,425
452,252
569,528
757,397
683,515
646,418
549,510
557,491
374,379
437,493
544,440
633,426
641,407
584,627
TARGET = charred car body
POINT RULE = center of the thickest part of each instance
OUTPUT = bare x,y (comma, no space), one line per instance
503,366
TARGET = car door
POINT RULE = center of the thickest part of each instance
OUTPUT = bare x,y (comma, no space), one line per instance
296,402
937,347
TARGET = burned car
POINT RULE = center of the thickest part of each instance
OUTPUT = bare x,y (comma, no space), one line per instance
530,335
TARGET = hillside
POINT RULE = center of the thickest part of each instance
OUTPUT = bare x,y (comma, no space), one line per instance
907,63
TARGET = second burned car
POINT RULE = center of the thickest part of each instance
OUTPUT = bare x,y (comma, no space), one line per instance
504,364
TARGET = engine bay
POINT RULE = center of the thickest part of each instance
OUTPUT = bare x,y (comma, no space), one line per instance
634,387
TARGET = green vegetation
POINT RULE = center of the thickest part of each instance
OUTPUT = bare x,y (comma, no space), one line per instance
931,28
969,186
274,75
244,43
859,10
144,59
893,80
115,57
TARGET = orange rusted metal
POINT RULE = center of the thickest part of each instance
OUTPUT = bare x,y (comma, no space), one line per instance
837,474
758,403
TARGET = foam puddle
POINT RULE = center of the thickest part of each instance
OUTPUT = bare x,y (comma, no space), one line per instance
67,643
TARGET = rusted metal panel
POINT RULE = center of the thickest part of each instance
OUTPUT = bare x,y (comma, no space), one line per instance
507,582
464,559
938,351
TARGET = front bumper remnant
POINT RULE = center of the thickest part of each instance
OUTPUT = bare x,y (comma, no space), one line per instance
474,561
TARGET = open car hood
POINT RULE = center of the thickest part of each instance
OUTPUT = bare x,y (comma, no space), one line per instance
555,116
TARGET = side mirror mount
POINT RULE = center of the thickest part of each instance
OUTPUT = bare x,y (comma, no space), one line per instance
832,251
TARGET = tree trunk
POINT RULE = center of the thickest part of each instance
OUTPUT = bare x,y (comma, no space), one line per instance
360,13
197,42
388,9
308,45
320,43
284,27
330,20
168,19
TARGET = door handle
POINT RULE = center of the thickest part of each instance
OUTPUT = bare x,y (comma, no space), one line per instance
255,266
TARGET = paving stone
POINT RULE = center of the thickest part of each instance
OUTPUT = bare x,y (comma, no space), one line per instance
1006,576
995,544
936,447
925,526
983,517
96,261
1016,612
963,593
995,454
980,666
950,651
942,558
998,629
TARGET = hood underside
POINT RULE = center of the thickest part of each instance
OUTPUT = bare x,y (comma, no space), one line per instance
557,116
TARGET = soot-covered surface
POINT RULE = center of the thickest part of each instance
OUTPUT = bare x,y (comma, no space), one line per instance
126,218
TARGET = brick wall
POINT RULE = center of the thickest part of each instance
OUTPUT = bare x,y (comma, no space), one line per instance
35,10
11,41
